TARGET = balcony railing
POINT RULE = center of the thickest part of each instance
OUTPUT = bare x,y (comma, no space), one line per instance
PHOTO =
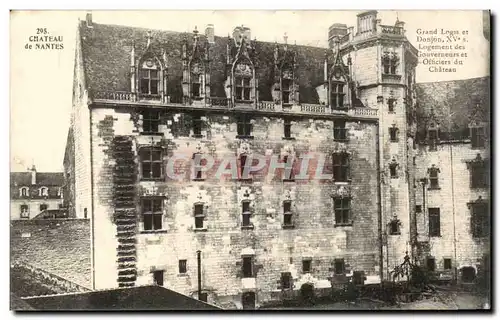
221,102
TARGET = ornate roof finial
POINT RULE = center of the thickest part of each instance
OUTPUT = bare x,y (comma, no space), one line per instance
195,33
285,38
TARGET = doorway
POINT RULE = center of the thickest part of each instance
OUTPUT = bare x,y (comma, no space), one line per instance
307,293
468,274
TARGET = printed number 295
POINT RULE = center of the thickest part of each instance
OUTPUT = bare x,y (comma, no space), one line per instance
41,30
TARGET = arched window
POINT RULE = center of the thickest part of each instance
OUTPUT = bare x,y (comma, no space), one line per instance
337,95
196,78
44,192
149,77
286,84
243,82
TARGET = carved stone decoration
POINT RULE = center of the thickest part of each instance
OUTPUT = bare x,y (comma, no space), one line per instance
341,191
244,148
196,71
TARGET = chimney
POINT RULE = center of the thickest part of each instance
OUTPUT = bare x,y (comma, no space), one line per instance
336,31
33,175
210,33
88,19
367,21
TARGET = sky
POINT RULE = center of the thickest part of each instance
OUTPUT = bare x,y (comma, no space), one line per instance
41,81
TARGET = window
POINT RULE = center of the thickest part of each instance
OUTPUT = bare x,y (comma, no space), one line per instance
152,213
306,265
434,222
342,211
246,214
418,208
149,81
288,168
339,130
25,211
44,191
247,267
24,192
85,213
479,176
244,126
480,219
390,103
337,96
150,121
446,263
43,207
158,277
339,266
394,227
244,162
433,178
288,129
287,214
393,134
433,138
182,266
151,163
198,164
285,90
477,137
431,264
197,125
199,216
243,88
393,170
340,167
389,63
286,280
203,297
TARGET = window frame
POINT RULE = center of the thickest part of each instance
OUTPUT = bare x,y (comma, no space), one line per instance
342,210
197,125
478,140
341,264
391,102
287,129
393,134
288,218
43,205
246,216
339,130
152,214
24,192
427,263
159,273
24,214
445,260
337,95
244,126
150,80
479,180
182,266
286,278
239,84
308,263
150,151
480,219
433,139
250,264
286,91
433,178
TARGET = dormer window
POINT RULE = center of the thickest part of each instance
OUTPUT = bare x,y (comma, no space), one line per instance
432,139
477,137
285,90
337,95
149,81
196,80
390,62
44,192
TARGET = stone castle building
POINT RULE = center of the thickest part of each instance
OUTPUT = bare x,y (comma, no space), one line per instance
351,114
36,194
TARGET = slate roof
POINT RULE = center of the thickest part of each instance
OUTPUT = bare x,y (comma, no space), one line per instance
454,104
139,298
106,55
